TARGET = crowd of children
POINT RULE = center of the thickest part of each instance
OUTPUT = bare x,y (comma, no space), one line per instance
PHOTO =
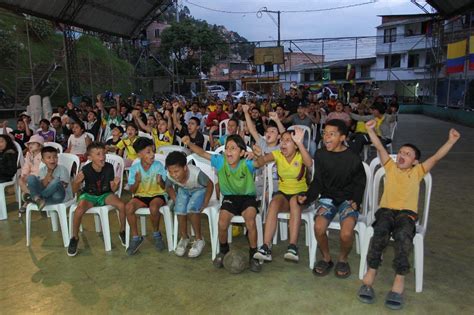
252,135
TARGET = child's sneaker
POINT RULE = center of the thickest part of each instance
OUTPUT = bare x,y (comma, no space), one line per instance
196,249
254,265
72,248
263,253
218,262
23,208
292,253
159,244
134,245
122,238
181,248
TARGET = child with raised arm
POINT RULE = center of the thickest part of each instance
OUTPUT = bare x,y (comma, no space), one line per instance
293,162
236,183
397,214
191,190
100,184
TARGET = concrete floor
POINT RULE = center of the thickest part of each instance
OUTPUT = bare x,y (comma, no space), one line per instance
43,279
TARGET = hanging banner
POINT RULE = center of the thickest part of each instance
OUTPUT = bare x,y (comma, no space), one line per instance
471,53
456,57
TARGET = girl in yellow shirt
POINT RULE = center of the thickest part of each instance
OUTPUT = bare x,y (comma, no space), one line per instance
293,162
126,145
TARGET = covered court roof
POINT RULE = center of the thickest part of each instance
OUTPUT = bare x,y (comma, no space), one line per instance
124,18
451,8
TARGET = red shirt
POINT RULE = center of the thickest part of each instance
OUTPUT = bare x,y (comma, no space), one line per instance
215,116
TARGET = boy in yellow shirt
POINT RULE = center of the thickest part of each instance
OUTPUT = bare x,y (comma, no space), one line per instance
397,215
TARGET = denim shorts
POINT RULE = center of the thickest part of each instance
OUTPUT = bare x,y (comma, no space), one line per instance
189,201
344,210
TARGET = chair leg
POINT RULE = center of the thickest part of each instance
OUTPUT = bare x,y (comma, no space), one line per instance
72,209
97,223
168,226
229,233
143,225
63,223
258,221
419,257
175,231
284,230
3,204
54,220
28,226
312,243
275,235
364,250
104,220
127,234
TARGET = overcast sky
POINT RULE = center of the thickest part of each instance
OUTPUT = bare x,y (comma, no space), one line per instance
355,21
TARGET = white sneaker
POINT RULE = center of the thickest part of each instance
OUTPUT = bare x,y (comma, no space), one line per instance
181,248
196,249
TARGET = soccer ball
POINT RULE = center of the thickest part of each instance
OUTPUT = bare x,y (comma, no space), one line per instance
235,262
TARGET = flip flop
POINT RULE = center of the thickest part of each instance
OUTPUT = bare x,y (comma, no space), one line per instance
366,294
394,301
325,266
342,270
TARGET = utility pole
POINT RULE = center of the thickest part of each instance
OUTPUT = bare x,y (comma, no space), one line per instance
278,24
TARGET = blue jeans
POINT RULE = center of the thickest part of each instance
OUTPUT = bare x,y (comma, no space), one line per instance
189,201
54,193
330,210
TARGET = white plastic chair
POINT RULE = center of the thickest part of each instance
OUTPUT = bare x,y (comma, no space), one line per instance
55,145
91,136
206,141
221,149
362,222
223,127
58,210
142,212
9,130
142,134
212,208
165,149
3,201
418,240
389,146
103,212
307,134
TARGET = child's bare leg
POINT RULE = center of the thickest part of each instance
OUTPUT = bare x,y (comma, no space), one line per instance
320,227
196,223
81,208
115,202
295,220
155,215
278,203
224,221
249,215
369,277
347,237
398,284
130,209
183,226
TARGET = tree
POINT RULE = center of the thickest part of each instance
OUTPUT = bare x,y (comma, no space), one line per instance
193,44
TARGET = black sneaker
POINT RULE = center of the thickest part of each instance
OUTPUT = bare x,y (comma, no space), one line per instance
292,253
123,239
72,248
263,253
134,245
218,262
254,265
26,197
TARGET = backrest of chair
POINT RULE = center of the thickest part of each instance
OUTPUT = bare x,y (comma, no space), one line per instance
269,179
393,127
20,158
165,149
221,149
206,141
179,141
119,167
68,160
368,184
161,158
55,145
376,162
307,133
428,180
142,134
223,126
8,130
91,136
205,166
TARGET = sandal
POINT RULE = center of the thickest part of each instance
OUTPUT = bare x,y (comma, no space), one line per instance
366,294
394,301
322,268
342,270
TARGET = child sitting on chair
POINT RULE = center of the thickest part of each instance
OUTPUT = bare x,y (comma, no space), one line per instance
126,145
100,184
30,168
397,214
147,183
51,186
191,190
232,129
236,183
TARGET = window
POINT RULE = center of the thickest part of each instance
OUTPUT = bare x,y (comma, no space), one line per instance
390,35
392,61
157,33
268,67
307,76
429,58
365,72
413,60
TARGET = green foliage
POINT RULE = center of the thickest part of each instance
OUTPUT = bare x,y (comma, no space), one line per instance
7,48
41,29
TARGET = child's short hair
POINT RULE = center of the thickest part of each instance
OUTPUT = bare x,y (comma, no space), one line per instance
56,118
176,158
95,146
196,120
238,140
48,149
272,124
414,148
339,124
141,144
130,124
80,124
234,120
45,121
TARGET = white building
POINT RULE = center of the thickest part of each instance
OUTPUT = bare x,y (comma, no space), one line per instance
403,55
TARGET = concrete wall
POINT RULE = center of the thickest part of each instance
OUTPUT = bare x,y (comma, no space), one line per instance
457,115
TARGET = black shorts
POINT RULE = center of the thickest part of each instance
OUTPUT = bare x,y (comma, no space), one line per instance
148,200
287,196
237,204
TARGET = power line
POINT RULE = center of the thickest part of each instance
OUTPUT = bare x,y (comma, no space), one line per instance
283,11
